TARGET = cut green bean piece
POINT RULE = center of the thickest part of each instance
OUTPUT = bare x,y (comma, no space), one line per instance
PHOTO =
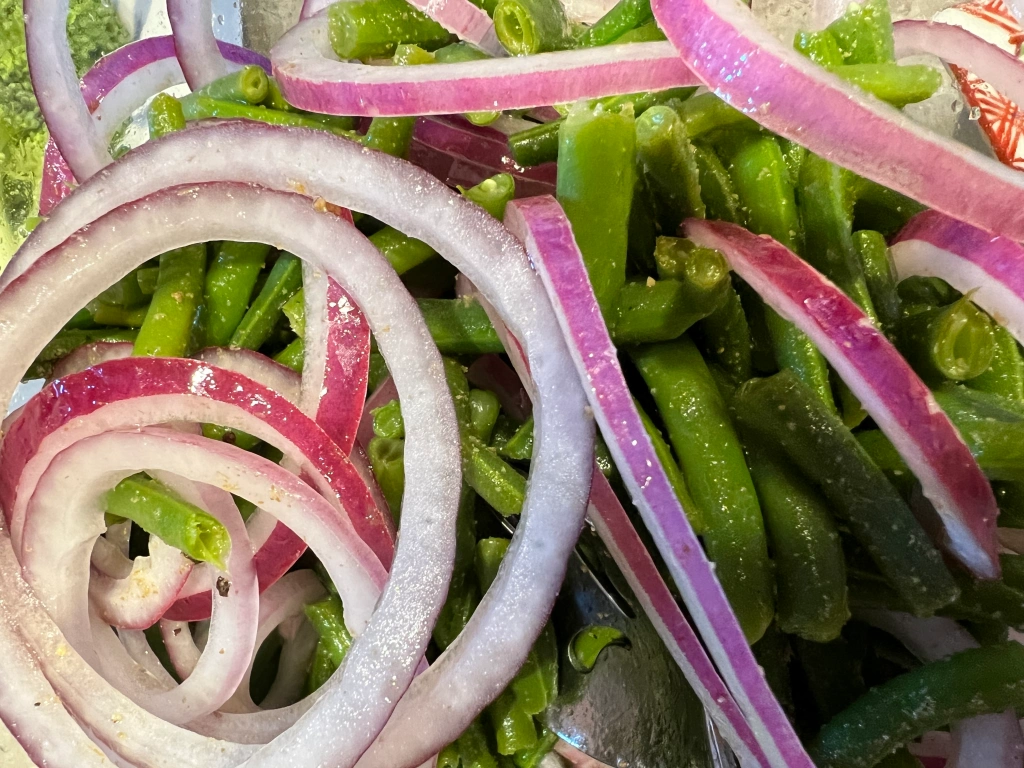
514,728
586,646
864,33
66,342
1005,374
531,758
783,411
113,315
372,29
707,112
230,282
167,328
624,16
880,276
672,471
922,291
716,188
809,566
526,27
243,440
460,326
387,421
954,342
387,460
710,454
492,194
661,310
645,33
474,747
390,135
293,355
248,85
669,165
596,173
328,619
834,674
519,447
766,195
496,481
727,340
484,408
411,55
165,116
159,512
204,108
321,668
489,554
259,321
820,47
895,84
973,682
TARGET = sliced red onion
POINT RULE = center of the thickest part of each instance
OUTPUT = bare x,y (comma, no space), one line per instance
968,259
117,85
460,153
627,549
312,78
493,373
409,199
547,234
194,43
260,368
297,651
892,394
381,396
985,741
790,95
89,355
1002,70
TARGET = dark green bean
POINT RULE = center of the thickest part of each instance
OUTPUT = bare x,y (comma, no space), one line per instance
879,208
67,341
595,188
662,310
672,471
706,112
204,108
259,321
519,446
167,329
810,572
460,326
710,454
391,135
1005,374
716,188
624,16
879,275
726,335
113,315
833,674
973,682
230,282
484,409
953,342
526,27
669,165
371,29
783,411
645,33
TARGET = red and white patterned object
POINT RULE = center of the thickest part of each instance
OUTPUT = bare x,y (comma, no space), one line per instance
1001,119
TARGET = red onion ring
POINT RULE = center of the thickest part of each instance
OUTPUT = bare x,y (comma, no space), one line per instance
295,159
194,43
968,259
1004,71
547,234
881,379
312,78
89,355
790,95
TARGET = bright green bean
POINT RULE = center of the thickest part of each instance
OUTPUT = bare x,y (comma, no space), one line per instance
864,33
328,619
391,135
371,29
165,116
669,165
954,342
230,282
248,85
1005,374
259,321
167,329
624,16
526,27
895,84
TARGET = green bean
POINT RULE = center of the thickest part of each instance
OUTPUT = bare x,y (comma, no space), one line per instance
864,33
378,371
147,278
895,84
320,669
493,479
410,55
328,619
248,85
810,572
243,440
879,275
540,144
920,291
230,282
404,252
167,328
953,342
371,29
1005,374
160,513
113,315
672,470
391,135
972,682
474,748
669,165
879,208
66,342
783,411
716,188
387,460
988,601
645,33
531,758
795,352
622,17
165,116
293,355
662,310
587,644
197,107
387,421
526,27
828,228
773,653
726,335
820,47
710,454
595,188
463,51
706,112
124,294
519,447
259,321
1013,570
484,408
460,326
833,674
514,729
295,310
901,758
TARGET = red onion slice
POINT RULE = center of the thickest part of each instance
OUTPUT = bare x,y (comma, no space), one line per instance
631,555
790,95
493,373
985,741
877,374
1004,71
89,355
968,259
194,43
116,86
260,368
414,202
547,234
312,78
